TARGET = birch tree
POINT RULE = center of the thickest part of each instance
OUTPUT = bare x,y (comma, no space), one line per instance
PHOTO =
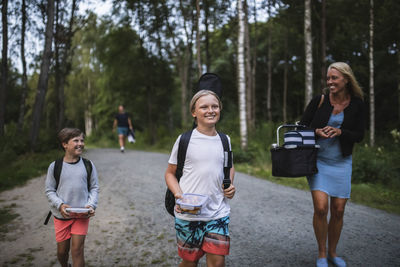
43,77
249,76
242,76
4,66
371,76
308,53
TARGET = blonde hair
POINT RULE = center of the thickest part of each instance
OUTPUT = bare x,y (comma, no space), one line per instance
199,94
353,86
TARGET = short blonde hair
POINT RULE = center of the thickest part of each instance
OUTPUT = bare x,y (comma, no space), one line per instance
346,71
199,94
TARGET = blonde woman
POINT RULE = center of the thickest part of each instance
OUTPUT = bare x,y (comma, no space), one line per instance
338,118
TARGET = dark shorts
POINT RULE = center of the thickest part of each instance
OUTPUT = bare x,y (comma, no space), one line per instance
123,131
195,238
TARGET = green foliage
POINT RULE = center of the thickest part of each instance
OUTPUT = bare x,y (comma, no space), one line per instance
21,168
377,165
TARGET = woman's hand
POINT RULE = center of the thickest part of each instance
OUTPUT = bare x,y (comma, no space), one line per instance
230,191
64,213
328,132
91,212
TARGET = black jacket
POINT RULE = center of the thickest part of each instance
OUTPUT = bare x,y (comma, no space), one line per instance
353,123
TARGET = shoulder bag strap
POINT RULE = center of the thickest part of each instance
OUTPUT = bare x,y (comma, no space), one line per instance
321,101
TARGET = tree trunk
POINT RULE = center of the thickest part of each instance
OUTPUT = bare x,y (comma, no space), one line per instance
308,53
398,79
242,77
323,44
150,120
207,37
24,92
253,70
4,66
249,81
371,76
198,42
269,65
57,61
184,63
285,78
88,111
43,77
64,65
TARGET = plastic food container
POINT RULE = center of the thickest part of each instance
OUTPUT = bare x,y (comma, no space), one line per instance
192,203
78,212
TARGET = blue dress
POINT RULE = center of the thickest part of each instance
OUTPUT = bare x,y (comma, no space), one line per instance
334,170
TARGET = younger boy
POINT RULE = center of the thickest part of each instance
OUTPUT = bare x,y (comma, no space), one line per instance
72,191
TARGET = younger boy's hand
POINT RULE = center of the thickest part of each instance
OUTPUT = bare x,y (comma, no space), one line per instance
230,191
91,212
64,213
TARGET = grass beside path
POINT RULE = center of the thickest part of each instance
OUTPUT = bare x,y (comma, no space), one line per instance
372,195
25,167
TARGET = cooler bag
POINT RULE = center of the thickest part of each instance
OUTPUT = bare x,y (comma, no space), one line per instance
298,155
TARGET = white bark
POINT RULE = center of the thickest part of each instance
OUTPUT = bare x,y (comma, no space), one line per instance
371,76
88,111
242,77
308,52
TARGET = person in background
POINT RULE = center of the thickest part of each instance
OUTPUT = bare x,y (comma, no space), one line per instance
338,119
72,191
123,124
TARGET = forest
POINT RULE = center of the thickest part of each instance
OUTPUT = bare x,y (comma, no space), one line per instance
64,65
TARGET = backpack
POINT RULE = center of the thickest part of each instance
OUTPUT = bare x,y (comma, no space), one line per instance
57,173
182,148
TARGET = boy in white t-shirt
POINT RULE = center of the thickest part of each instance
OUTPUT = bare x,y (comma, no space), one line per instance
206,233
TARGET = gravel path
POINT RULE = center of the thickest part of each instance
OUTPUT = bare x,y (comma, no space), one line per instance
271,225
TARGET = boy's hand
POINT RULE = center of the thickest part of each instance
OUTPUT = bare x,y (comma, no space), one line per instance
230,191
177,207
64,213
91,212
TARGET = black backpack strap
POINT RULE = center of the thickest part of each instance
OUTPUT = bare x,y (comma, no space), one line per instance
88,166
182,148
56,173
227,159
57,170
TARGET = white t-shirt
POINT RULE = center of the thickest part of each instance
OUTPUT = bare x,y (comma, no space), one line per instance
203,173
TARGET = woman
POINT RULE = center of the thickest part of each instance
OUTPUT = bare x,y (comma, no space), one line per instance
338,118
206,233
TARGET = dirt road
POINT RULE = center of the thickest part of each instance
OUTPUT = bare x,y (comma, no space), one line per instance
271,225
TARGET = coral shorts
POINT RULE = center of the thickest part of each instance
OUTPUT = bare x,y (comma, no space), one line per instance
65,228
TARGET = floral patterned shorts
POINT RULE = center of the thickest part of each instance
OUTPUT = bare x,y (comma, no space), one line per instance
195,238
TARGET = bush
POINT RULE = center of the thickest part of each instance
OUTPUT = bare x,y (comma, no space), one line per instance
378,165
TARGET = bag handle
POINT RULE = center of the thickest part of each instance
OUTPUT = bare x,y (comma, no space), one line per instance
287,126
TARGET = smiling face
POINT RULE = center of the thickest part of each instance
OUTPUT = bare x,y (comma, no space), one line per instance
74,147
336,81
207,111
